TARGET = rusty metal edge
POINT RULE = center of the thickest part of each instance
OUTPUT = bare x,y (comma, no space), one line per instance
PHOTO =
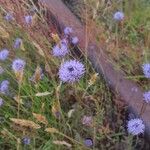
116,79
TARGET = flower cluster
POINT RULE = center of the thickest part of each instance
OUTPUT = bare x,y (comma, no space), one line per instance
88,142
17,43
118,16
61,49
135,126
4,54
28,19
26,141
68,30
9,17
4,86
75,40
18,65
146,70
71,71
146,97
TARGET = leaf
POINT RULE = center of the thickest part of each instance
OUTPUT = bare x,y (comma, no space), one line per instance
3,33
56,109
70,113
93,79
62,143
18,99
55,37
40,51
42,94
19,76
51,130
40,118
25,123
37,75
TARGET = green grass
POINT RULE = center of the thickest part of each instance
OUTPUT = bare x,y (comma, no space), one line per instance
109,116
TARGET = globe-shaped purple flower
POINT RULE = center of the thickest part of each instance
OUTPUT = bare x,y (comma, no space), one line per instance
18,65
4,54
146,97
118,16
68,30
88,142
9,17
146,70
17,43
4,86
61,49
26,141
71,71
28,19
135,126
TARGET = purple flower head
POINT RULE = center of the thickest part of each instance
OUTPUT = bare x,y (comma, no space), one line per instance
1,102
68,30
4,54
118,16
75,40
1,70
88,142
87,120
146,70
135,126
61,49
4,86
17,43
28,19
71,71
26,141
9,17
146,97
18,65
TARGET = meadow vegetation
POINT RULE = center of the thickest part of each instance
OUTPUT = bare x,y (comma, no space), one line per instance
45,104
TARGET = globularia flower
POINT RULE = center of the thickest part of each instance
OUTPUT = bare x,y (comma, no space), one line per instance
4,54
60,50
118,16
9,17
4,86
17,43
68,30
71,71
135,126
146,97
146,70
18,65
75,40
1,102
28,19
26,141
88,142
